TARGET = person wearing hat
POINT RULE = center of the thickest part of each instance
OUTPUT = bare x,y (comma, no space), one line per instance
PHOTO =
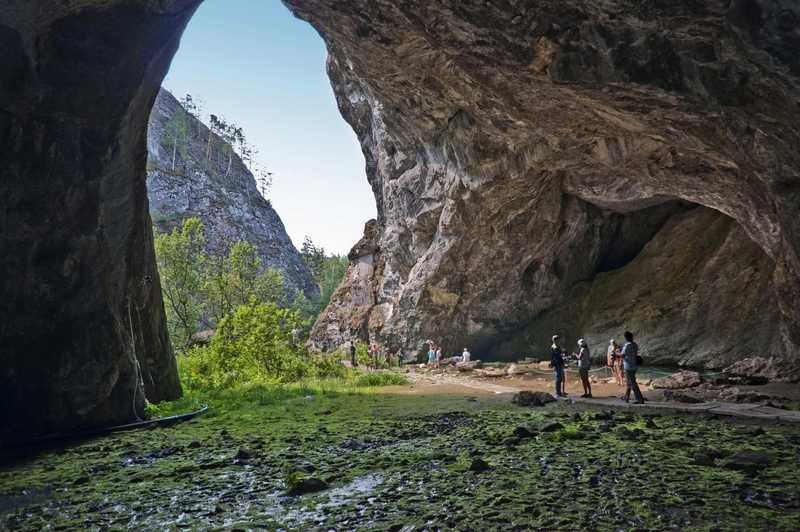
557,363
584,363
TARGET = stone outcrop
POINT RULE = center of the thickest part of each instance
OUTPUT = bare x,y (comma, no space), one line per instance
534,163
517,151
82,330
220,190
760,369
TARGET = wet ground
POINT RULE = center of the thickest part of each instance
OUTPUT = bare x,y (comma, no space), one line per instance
414,462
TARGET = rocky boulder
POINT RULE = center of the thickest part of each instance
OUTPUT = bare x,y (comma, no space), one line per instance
682,379
528,398
760,370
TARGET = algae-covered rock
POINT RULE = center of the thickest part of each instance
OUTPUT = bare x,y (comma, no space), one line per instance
479,465
749,461
307,485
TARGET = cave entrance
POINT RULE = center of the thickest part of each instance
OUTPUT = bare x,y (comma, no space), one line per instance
687,279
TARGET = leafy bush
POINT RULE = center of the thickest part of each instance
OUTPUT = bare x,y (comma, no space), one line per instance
328,366
255,344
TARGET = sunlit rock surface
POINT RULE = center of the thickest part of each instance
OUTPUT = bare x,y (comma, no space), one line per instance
572,167
224,197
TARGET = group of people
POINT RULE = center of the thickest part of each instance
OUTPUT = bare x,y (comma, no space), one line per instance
435,355
622,361
377,354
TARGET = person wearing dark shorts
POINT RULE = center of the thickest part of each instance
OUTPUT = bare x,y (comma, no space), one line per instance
584,363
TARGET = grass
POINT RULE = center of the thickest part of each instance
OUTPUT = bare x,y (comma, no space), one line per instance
265,394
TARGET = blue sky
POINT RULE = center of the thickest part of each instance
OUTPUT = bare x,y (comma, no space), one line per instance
254,63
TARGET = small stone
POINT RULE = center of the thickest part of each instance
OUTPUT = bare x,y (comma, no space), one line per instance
244,454
525,430
551,426
528,398
308,485
748,461
479,465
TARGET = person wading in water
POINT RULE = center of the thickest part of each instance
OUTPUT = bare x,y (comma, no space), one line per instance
584,363
630,363
557,363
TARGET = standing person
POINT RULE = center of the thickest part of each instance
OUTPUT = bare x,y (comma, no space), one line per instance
630,352
584,363
373,353
615,361
557,363
353,358
438,356
431,356
465,356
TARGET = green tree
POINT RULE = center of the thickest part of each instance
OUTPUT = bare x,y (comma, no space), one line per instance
237,279
181,263
253,344
314,257
334,268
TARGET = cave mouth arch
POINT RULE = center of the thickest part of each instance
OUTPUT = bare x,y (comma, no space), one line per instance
81,305
693,270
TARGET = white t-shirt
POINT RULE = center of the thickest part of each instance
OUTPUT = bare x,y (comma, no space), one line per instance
465,356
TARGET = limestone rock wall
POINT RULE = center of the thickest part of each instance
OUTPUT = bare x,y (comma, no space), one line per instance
225,199
509,144
82,331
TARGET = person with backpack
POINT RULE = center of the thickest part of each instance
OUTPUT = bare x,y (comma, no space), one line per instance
557,363
584,363
630,363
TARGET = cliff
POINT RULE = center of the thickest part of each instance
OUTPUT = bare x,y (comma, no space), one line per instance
224,197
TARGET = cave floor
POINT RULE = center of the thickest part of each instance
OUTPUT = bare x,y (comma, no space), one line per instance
407,462
606,393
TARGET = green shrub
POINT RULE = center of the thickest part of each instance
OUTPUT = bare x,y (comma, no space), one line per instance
328,366
255,344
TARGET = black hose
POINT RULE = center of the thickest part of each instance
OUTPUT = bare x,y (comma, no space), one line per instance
169,420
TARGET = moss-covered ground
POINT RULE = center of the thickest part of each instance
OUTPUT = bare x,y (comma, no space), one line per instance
403,462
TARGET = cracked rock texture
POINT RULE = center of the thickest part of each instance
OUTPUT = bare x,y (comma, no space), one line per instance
534,164
225,199
517,150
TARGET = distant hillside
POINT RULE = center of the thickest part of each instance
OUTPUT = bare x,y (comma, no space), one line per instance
224,196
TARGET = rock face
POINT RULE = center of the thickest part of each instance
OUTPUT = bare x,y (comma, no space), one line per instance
517,152
82,335
224,197
572,167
